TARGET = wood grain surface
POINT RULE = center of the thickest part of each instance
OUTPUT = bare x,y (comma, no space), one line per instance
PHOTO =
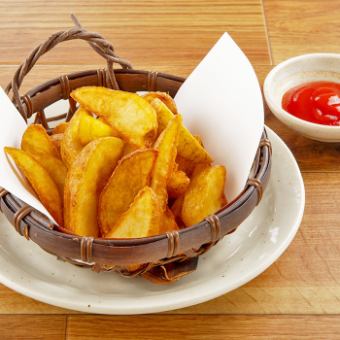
298,297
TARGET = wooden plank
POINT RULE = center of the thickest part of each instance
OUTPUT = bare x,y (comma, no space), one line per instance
203,327
14,303
304,26
161,32
28,327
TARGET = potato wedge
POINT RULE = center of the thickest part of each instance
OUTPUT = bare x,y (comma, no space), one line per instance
188,146
70,145
85,180
91,128
41,182
178,184
164,114
60,128
200,140
83,128
38,144
129,148
205,194
129,114
176,209
166,147
185,165
165,98
132,174
141,219
56,140
36,140
168,222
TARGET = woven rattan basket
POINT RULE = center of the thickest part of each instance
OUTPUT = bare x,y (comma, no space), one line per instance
163,258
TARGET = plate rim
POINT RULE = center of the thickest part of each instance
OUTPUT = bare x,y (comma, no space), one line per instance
188,300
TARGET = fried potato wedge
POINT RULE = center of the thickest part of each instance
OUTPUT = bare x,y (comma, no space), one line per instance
164,114
83,128
205,194
129,148
200,140
56,140
178,184
141,219
185,165
165,162
91,128
168,222
84,182
129,114
176,209
165,98
70,145
188,146
60,128
41,182
132,174
38,144
36,140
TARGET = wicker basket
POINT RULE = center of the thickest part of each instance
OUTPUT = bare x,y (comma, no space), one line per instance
164,258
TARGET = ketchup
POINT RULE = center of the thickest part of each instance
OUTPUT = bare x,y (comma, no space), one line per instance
317,102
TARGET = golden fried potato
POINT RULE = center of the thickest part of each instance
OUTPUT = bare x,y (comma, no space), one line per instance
188,146
60,128
166,147
178,184
85,180
132,173
38,144
129,114
168,222
82,129
165,98
176,209
185,165
70,145
129,148
41,182
56,140
141,219
200,140
36,140
164,114
91,128
205,194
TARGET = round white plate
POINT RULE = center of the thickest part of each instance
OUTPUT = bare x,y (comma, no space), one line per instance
235,260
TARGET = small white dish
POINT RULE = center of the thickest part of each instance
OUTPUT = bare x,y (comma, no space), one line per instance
299,70
234,261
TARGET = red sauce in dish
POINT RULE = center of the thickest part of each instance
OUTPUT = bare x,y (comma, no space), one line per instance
317,102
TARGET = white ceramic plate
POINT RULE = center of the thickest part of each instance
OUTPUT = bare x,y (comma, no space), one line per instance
237,259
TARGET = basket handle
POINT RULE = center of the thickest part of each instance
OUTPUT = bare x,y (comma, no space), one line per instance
95,40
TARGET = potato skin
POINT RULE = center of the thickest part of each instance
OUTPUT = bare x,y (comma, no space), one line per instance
41,182
165,162
178,184
85,180
132,174
39,145
141,219
189,147
205,194
129,114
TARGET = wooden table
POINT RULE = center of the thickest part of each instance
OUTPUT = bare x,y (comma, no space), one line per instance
298,296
